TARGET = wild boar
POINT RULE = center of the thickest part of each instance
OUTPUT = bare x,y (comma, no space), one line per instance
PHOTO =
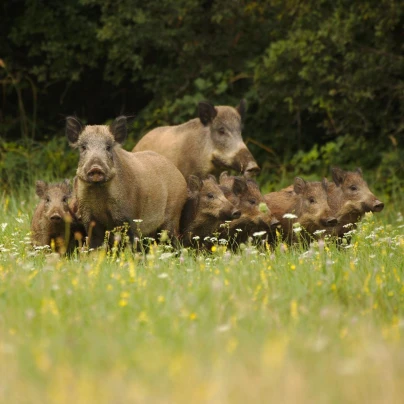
114,186
205,210
350,198
54,219
307,202
204,145
245,195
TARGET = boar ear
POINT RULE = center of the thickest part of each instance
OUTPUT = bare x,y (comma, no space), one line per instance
194,184
206,112
118,129
40,188
299,185
73,129
324,184
338,176
359,171
242,108
223,177
239,186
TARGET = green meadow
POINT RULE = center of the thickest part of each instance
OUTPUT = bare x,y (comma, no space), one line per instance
322,324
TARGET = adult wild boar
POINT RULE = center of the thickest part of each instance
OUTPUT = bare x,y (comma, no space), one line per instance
54,219
245,195
205,210
307,202
350,198
204,145
114,186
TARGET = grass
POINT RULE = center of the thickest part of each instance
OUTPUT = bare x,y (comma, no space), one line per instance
283,325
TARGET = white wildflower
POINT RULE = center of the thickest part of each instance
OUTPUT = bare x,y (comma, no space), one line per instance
163,275
138,220
239,230
19,220
222,241
348,225
297,229
318,232
259,233
196,238
3,226
289,216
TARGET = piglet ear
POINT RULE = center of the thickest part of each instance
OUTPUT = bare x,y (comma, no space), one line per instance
299,185
212,178
223,177
67,186
242,109
239,186
73,129
194,184
118,129
359,171
338,175
207,112
40,188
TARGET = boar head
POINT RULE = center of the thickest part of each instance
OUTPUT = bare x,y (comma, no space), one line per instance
96,144
228,149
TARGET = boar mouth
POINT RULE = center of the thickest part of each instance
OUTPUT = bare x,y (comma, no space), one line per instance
96,175
251,168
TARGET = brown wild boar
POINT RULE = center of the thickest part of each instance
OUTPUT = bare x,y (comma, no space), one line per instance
245,195
307,201
350,198
54,219
204,145
205,210
114,186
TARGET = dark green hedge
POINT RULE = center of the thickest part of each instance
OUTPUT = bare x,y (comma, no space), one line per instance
323,79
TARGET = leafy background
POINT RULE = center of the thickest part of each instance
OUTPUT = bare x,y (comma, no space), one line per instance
323,79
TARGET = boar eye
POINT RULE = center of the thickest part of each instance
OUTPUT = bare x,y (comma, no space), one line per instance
64,200
108,148
222,131
252,201
353,188
312,200
210,195
47,199
83,147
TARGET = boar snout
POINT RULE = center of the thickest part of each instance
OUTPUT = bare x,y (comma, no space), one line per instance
56,217
235,214
378,206
95,174
330,222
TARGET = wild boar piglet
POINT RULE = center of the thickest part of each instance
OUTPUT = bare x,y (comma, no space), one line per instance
205,210
305,203
54,221
350,198
255,216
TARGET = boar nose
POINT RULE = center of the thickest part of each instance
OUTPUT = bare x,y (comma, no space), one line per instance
331,221
235,214
56,217
378,206
96,174
252,169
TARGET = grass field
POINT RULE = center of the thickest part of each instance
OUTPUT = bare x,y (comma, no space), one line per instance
322,325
